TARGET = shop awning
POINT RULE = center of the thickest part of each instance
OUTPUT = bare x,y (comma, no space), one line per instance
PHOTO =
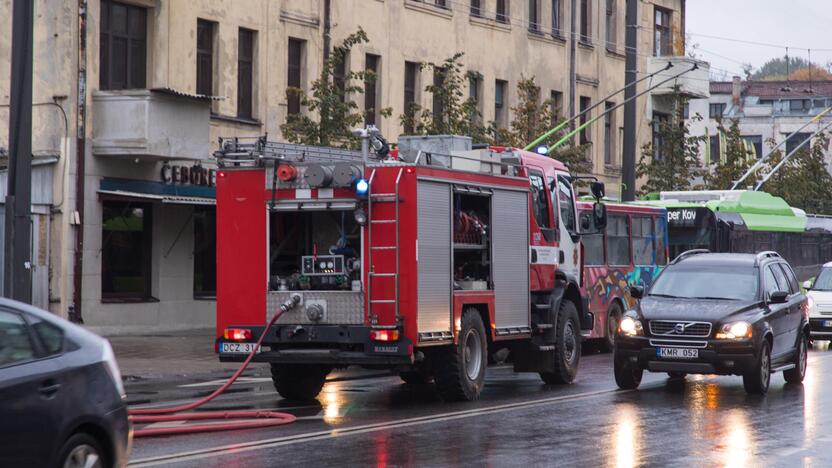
129,189
172,199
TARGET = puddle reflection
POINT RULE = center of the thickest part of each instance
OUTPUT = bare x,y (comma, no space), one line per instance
628,438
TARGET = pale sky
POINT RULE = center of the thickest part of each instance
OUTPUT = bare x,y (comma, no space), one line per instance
799,24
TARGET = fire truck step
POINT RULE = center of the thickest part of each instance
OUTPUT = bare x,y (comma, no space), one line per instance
543,326
541,306
384,274
382,221
546,348
383,301
383,247
383,195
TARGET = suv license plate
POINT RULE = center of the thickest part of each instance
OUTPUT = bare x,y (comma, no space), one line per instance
677,353
237,348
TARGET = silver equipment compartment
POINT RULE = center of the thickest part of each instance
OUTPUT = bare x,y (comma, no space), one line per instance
510,248
434,257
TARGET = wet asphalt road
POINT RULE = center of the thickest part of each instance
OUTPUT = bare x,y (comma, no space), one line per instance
378,420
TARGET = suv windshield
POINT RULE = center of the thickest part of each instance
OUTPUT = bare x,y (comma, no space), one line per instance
824,280
707,283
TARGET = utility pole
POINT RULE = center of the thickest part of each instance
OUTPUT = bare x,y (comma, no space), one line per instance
573,67
17,266
628,165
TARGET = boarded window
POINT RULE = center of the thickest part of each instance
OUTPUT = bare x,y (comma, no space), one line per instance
294,73
204,57
411,74
205,252
371,70
126,250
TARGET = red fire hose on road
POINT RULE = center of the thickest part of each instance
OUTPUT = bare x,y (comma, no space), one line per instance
175,413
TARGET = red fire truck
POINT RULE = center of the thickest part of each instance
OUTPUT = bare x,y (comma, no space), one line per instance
422,262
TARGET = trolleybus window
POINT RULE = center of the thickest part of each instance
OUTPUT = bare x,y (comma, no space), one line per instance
661,235
643,237
690,228
618,240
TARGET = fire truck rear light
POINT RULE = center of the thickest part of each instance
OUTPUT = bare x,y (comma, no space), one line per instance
286,172
384,335
221,174
409,170
237,334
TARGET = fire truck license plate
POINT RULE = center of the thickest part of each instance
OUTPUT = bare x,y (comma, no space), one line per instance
237,348
677,353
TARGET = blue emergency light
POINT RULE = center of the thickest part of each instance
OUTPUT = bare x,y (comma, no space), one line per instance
542,149
362,187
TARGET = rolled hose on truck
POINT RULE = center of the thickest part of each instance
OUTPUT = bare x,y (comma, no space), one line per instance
175,413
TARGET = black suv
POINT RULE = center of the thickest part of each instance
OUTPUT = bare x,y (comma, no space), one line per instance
714,313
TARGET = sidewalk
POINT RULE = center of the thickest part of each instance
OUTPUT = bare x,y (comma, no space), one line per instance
181,353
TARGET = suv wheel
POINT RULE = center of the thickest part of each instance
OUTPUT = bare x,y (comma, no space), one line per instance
756,381
801,356
627,375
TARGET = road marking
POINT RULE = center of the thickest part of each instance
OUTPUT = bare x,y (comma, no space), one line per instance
362,429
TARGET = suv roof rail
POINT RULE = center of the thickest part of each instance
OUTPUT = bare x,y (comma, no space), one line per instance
766,254
688,253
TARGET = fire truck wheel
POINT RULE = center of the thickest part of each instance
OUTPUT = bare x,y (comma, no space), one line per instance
460,370
301,382
415,377
568,347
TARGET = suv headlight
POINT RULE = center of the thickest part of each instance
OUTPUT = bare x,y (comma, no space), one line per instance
630,326
734,331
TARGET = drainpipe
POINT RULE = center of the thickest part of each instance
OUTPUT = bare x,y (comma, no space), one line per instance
80,157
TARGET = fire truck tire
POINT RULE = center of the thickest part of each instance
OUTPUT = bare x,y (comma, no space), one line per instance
301,382
568,347
415,377
460,370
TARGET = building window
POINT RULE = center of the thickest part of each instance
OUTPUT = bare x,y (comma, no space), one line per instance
659,121
442,3
585,102
755,144
795,141
126,250
612,31
586,22
502,11
534,16
800,105
245,73
686,111
714,149
293,81
716,110
555,106
339,75
609,142
556,31
475,94
205,57
476,8
500,88
371,74
438,107
123,49
205,252
411,75
663,43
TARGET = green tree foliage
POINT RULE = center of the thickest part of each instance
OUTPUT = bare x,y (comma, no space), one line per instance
532,117
674,165
329,114
804,180
735,159
779,68
452,113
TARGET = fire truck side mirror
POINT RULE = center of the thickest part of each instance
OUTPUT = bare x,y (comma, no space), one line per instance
598,190
595,221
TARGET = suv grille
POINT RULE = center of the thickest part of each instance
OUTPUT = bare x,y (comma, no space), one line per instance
679,328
